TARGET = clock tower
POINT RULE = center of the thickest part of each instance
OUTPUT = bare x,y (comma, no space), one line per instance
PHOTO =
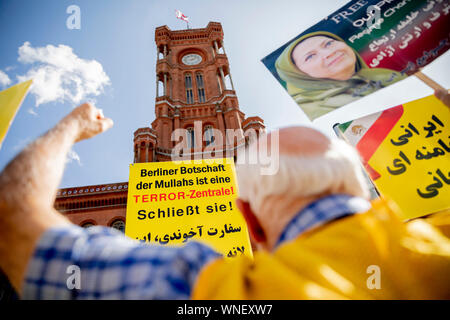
195,96
197,111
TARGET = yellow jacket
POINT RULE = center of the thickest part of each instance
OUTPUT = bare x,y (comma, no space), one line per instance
441,221
341,260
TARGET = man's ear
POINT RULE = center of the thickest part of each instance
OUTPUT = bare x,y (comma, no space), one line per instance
254,227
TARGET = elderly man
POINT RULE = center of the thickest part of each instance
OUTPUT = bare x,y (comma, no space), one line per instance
307,221
318,237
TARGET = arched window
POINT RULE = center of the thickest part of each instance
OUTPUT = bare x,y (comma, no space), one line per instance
209,135
188,85
87,225
135,153
200,88
119,225
190,137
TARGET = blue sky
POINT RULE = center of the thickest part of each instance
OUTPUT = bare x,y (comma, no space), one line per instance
119,35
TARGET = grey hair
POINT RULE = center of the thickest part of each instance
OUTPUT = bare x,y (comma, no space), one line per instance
336,171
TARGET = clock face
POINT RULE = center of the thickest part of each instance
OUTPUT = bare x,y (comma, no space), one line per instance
191,59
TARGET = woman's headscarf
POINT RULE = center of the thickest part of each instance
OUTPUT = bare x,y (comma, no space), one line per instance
304,88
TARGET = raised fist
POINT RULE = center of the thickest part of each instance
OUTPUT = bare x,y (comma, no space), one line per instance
89,121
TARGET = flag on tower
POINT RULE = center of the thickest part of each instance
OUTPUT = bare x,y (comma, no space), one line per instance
181,16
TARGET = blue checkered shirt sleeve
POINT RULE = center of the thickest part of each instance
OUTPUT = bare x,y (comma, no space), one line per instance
321,211
111,266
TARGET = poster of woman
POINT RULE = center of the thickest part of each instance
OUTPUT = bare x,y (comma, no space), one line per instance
361,48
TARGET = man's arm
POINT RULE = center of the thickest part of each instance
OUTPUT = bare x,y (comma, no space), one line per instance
28,188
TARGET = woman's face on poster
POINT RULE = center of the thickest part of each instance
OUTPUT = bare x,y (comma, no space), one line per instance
323,57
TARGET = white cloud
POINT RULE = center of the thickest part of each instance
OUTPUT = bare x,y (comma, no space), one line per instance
60,75
73,156
4,79
31,111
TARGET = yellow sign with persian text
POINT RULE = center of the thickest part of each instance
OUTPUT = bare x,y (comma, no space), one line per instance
413,161
171,203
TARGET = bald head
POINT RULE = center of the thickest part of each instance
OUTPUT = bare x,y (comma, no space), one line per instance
310,165
301,141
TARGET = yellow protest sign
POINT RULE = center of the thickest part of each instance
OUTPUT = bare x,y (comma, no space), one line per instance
171,203
406,150
10,101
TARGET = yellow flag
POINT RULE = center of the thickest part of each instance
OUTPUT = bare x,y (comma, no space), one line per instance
10,101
